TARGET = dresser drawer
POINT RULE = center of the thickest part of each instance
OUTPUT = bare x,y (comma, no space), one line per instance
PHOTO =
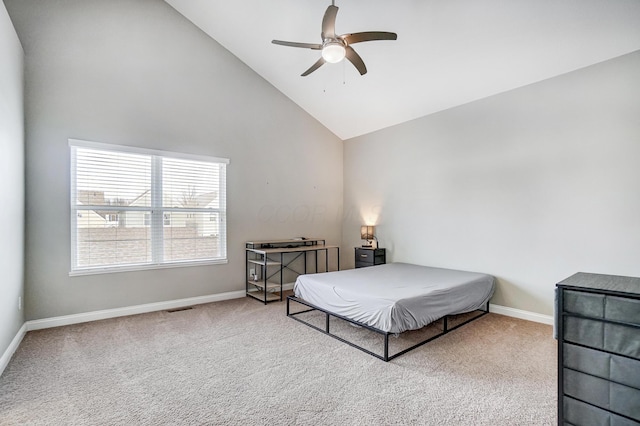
616,338
622,309
582,303
365,256
622,339
579,413
587,388
616,368
591,361
584,331
601,306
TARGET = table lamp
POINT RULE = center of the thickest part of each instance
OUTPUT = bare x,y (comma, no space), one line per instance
366,233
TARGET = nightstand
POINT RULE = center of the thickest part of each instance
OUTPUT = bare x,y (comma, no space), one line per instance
368,256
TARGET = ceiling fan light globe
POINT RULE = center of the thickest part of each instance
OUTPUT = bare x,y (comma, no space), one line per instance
333,52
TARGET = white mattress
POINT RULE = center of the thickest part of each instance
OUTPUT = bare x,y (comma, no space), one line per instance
398,296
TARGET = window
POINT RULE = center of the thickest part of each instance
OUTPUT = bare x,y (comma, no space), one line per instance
135,208
113,218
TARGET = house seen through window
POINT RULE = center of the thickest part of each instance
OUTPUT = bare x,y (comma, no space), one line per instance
139,208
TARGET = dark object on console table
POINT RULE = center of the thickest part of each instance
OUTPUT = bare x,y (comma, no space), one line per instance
366,256
598,350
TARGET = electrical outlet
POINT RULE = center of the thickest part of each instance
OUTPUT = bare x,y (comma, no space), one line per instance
19,303
252,272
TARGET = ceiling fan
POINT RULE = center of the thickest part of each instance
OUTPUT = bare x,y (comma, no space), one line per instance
334,47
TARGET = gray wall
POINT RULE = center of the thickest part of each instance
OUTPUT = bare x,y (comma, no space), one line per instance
135,72
11,181
531,185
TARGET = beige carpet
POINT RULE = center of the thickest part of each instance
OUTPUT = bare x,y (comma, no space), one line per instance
239,362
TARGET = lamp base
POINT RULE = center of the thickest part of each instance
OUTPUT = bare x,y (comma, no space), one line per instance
371,244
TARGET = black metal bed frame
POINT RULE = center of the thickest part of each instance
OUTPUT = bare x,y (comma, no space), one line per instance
386,357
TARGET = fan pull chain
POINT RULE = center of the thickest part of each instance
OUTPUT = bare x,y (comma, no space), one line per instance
344,72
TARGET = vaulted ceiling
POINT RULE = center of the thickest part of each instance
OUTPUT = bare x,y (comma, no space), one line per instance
448,52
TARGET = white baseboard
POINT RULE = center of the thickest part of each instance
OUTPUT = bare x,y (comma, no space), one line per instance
180,303
130,310
136,309
6,356
519,313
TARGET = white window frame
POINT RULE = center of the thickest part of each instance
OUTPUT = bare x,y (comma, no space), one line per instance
156,208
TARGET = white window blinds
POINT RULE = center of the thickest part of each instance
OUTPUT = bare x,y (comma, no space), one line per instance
133,208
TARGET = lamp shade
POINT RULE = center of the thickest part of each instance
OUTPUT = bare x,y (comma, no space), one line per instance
366,232
333,52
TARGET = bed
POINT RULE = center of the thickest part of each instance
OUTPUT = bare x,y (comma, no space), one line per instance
392,298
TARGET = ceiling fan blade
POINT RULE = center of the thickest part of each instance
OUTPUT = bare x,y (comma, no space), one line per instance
329,22
314,67
368,36
313,46
356,60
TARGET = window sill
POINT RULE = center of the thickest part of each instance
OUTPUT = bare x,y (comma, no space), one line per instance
134,268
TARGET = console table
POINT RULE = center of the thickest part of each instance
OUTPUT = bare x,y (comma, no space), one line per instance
267,262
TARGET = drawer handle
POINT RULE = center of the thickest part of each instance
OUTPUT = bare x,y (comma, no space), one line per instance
363,255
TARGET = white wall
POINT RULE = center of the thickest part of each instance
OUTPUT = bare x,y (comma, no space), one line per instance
11,181
138,73
531,185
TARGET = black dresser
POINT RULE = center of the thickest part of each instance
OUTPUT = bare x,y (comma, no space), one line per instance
598,327
369,256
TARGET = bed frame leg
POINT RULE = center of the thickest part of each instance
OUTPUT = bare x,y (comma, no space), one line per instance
327,322
445,324
386,348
